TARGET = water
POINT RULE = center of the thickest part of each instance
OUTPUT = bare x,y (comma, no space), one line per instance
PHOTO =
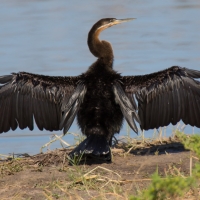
50,37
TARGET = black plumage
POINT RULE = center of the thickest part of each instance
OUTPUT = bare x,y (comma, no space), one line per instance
100,98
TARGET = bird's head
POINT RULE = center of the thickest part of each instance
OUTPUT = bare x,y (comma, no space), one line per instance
103,49
105,23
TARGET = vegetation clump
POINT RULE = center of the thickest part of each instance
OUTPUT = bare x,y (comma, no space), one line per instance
174,186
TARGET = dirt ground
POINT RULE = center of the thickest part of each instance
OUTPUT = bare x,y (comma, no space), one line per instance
50,175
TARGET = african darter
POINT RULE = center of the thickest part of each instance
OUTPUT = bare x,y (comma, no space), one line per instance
100,98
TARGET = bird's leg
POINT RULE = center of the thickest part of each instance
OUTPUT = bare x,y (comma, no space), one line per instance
110,142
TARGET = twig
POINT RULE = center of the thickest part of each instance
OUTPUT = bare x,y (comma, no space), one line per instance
55,139
47,144
59,138
129,150
195,157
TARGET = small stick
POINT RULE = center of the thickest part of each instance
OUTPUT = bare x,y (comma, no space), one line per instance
62,141
195,157
55,139
47,144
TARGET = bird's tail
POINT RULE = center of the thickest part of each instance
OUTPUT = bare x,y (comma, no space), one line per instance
95,146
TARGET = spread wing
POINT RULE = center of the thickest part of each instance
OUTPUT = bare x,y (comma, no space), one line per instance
166,97
25,97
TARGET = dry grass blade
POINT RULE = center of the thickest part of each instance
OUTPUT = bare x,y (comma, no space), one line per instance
47,194
195,158
99,167
86,178
129,150
63,190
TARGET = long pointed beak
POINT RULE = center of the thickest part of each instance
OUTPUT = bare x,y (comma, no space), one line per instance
119,21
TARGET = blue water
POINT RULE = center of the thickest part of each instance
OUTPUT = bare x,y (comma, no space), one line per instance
50,37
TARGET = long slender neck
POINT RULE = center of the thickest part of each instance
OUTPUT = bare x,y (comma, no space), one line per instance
100,49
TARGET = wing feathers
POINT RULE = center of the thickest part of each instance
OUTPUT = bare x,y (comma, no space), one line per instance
185,107
69,116
37,113
70,110
2,109
192,73
166,97
5,79
128,110
25,97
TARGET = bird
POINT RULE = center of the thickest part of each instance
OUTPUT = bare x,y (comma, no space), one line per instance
100,99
